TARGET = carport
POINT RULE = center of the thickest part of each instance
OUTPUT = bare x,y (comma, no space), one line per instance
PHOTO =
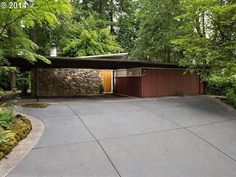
131,77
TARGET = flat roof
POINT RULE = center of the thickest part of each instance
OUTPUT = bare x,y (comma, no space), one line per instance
113,61
107,56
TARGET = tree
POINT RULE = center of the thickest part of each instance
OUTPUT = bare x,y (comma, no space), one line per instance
128,24
120,16
158,28
209,42
16,23
90,40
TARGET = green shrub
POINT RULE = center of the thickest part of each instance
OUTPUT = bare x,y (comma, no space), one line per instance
5,80
218,85
231,96
14,90
1,91
6,117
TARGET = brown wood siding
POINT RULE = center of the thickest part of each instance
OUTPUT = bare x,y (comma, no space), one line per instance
129,86
167,82
150,83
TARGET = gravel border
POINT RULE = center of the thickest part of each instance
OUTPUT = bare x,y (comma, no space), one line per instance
23,147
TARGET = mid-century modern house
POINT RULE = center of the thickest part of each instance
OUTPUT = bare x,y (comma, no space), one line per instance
109,74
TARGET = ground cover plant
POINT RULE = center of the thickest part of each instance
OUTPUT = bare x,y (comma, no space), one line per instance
13,128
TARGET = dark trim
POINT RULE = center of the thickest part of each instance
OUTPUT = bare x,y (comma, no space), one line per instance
90,63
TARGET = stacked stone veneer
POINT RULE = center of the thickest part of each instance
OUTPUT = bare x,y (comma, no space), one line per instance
68,82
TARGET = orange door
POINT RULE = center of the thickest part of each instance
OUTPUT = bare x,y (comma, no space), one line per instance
107,81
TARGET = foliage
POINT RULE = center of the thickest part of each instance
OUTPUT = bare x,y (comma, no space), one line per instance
93,42
208,42
127,24
29,32
23,80
6,117
17,24
4,80
5,135
231,96
219,84
158,28
88,39
92,19
1,91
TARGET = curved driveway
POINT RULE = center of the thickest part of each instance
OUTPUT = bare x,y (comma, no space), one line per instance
174,137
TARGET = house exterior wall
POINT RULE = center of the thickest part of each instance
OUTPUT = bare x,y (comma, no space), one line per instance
159,82
68,82
169,82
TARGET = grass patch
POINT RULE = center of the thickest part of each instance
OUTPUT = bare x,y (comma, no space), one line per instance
35,105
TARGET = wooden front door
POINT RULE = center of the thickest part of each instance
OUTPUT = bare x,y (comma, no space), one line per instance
107,81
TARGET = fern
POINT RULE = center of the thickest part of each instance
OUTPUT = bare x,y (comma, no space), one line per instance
5,118
5,135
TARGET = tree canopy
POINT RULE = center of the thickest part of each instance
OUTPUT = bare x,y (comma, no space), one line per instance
208,42
17,25
158,28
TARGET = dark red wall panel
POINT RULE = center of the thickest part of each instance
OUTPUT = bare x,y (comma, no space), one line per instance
129,86
159,82
169,82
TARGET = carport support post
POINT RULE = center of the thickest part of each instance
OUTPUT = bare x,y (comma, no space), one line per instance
36,83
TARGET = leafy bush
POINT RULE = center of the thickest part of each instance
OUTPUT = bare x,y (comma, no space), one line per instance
23,80
231,96
88,38
14,90
1,91
4,80
6,117
218,85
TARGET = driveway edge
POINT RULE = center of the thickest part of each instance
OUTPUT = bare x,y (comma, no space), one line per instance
23,147
226,106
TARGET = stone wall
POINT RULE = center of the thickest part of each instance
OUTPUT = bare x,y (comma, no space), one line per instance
69,82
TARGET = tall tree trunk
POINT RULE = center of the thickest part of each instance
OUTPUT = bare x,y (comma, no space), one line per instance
198,28
111,16
121,8
100,6
34,34
203,24
167,55
13,79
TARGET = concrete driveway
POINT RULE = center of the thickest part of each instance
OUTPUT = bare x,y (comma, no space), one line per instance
174,137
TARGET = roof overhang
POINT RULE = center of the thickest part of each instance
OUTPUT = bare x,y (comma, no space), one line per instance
114,61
